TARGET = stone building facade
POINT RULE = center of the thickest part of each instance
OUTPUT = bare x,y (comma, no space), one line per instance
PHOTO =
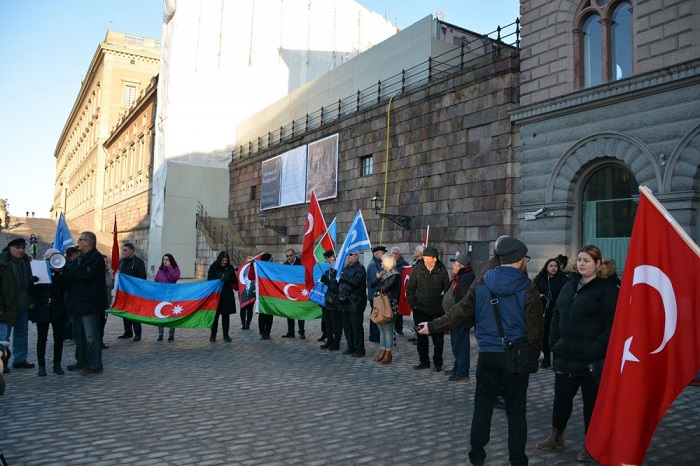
451,163
128,172
610,99
120,71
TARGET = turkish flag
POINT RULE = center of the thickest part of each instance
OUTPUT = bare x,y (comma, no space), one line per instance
315,227
404,307
654,348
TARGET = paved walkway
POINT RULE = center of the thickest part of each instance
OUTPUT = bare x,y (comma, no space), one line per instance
249,402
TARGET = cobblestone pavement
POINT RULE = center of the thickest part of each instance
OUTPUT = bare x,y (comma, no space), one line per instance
282,402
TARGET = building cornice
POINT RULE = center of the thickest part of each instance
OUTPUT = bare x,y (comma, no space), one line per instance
672,77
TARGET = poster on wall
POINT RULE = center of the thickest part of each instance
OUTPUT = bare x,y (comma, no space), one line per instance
293,177
270,189
322,168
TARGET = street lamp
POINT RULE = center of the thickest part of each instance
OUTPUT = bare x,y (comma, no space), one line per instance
376,203
281,230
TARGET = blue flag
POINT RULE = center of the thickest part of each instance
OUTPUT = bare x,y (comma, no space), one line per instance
357,240
63,239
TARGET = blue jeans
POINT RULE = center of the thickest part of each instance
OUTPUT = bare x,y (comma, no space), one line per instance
88,344
171,332
459,340
20,342
386,335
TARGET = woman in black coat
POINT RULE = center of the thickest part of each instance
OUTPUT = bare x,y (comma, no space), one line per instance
549,283
222,269
50,309
581,326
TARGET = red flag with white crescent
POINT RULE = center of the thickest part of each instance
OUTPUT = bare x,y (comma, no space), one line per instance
404,307
246,276
654,348
315,227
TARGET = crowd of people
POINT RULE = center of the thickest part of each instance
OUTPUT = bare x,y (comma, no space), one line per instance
565,316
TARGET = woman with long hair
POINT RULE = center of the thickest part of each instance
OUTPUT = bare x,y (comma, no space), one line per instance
581,325
222,269
168,272
388,280
549,283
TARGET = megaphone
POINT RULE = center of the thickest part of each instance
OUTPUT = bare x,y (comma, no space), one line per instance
57,261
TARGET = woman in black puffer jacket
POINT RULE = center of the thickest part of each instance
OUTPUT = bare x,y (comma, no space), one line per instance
581,325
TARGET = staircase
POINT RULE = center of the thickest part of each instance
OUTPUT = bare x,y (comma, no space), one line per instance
222,236
45,230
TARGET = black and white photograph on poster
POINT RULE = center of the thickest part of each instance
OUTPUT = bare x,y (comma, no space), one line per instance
270,189
293,177
322,171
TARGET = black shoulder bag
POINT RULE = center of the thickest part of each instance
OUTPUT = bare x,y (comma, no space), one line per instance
520,357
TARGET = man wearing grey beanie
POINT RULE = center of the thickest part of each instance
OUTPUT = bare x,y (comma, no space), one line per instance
521,313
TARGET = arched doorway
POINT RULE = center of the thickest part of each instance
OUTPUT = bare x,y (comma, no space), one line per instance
608,210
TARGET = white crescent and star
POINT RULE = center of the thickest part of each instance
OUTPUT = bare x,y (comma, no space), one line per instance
657,279
158,311
310,222
243,274
287,287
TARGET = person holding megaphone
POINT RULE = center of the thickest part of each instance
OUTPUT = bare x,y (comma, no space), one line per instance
50,309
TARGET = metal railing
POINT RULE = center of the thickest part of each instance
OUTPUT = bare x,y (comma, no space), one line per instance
218,235
470,55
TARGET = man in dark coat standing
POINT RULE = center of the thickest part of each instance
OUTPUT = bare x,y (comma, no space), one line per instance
292,259
15,279
132,265
424,290
87,295
352,300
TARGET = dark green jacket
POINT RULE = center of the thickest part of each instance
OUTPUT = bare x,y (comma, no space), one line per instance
8,305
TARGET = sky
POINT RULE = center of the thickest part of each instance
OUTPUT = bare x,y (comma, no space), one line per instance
47,47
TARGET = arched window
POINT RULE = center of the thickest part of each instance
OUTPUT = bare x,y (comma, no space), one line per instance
608,211
604,45
621,41
592,52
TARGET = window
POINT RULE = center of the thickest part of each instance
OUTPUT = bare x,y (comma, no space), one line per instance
253,192
604,42
366,165
608,212
129,95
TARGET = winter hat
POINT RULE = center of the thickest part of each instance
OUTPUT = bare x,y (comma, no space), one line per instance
510,250
430,251
462,259
17,242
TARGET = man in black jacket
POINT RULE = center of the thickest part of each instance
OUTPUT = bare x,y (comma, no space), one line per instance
87,295
424,290
292,259
352,300
134,266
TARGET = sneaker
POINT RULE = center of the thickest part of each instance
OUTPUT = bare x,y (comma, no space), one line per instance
422,366
137,338
124,337
288,335
458,378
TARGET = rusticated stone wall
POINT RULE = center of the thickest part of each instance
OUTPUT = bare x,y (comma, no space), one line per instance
453,164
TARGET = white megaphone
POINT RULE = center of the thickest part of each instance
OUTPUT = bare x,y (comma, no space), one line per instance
57,261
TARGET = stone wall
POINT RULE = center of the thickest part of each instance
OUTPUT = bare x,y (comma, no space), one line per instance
453,164
665,33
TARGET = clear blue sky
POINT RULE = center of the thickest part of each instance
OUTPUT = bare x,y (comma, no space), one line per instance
47,46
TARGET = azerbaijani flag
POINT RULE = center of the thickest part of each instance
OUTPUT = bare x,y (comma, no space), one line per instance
282,291
182,305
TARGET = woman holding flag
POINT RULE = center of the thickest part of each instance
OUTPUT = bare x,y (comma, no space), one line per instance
168,272
581,325
222,269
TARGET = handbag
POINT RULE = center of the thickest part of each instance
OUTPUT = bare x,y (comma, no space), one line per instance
318,293
381,309
520,357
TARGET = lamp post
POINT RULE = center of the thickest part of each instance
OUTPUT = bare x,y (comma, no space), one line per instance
376,203
281,230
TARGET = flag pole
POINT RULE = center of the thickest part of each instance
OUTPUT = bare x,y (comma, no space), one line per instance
672,221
